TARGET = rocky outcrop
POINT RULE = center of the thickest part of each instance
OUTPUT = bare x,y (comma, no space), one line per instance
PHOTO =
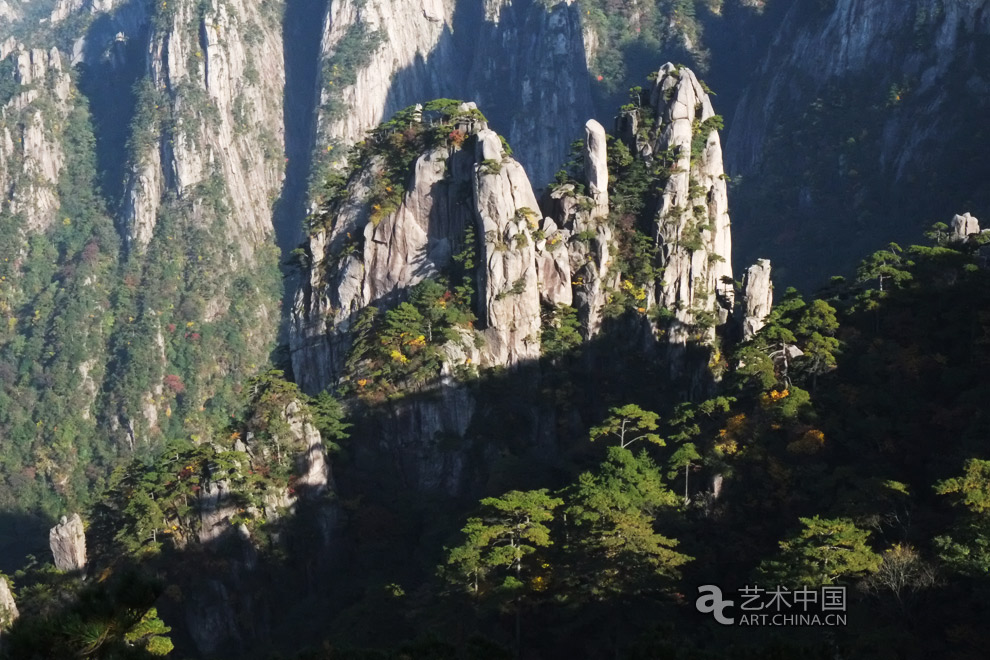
963,226
358,262
523,62
692,224
757,298
67,540
313,466
31,124
399,37
596,165
507,209
8,608
217,74
553,264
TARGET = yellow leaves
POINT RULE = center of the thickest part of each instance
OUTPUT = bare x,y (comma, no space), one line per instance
774,396
810,442
397,356
641,310
362,382
578,281
727,447
66,222
638,293
190,324
728,438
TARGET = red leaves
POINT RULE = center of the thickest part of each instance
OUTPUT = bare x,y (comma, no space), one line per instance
174,384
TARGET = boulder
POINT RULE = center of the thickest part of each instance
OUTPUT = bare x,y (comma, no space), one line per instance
68,543
963,226
757,298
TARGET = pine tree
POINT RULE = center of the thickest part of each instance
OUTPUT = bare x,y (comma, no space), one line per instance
823,552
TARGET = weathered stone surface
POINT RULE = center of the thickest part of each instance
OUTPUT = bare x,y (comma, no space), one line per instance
67,540
757,298
222,73
553,265
313,464
963,226
589,259
596,165
31,150
507,210
452,190
8,608
525,64
692,226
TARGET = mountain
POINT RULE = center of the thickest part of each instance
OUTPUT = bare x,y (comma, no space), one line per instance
877,106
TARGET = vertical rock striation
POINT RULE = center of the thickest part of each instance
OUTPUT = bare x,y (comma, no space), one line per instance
217,79
507,210
692,224
357,262
67,540
31,126
857,123
525,63
757,298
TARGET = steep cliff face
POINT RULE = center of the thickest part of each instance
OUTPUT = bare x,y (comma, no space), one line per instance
692,224
530,73
468,218
365,259
578,223
216,82
32,122
524,62
874,104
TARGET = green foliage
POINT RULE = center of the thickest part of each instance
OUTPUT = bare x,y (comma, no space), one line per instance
489,166
972,489
966,549
629,424
886,267
701,131
561,331
390,151
328,417
401,349
824,551
9,87
104,620
509,529
352,53
615,547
